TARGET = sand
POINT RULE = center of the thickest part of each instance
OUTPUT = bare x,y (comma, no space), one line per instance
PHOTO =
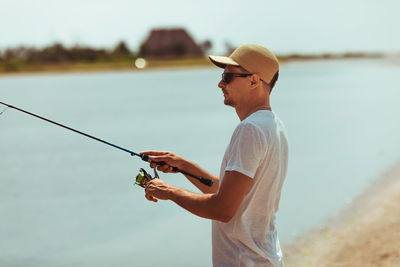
367,233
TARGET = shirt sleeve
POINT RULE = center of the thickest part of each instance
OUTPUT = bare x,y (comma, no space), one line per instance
247,149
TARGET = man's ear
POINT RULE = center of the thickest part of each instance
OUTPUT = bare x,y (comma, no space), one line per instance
255,81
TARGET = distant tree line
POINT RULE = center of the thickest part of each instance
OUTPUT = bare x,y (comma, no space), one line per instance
161,44
58,53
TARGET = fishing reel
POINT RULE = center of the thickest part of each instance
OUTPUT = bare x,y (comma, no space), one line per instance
143,177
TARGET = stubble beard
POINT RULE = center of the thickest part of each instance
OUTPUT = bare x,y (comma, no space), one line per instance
227,100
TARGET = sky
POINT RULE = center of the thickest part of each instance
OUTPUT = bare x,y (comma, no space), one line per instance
283,26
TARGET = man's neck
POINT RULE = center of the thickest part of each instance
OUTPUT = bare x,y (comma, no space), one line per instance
246,111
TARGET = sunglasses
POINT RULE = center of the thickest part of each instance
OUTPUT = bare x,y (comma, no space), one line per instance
227,77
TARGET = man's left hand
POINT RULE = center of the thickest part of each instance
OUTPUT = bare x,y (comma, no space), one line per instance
158,189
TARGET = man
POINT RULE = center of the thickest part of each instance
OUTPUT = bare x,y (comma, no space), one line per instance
243,200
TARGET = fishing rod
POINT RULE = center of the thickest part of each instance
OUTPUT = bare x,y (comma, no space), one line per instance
144,157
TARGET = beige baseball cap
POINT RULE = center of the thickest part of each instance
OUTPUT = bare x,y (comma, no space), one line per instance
252,57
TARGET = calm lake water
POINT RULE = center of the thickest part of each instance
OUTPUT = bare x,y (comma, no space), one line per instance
66,200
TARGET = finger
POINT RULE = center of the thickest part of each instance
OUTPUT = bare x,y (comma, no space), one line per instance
147,196
153,153
153,165
164,168
148,193
168,168
148,186
151,198
148,189
160,158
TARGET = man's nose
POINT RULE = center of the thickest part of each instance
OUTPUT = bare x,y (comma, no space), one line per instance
221,84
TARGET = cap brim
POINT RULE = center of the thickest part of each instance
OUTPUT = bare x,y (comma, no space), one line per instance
221,61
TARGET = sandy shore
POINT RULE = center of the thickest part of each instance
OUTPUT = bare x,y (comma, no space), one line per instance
365,234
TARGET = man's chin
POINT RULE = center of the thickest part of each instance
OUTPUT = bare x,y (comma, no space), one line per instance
228,102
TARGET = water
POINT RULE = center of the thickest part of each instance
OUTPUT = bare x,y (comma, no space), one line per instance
66,200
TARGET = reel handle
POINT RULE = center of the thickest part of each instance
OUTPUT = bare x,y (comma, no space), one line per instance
203,180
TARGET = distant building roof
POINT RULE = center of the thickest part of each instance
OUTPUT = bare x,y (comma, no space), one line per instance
169,42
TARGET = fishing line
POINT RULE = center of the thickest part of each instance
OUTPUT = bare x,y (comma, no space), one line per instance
144,157
1,113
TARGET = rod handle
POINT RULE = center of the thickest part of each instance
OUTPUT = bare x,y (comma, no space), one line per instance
203,180
207,182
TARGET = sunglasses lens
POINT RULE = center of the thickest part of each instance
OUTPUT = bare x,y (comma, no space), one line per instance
226,77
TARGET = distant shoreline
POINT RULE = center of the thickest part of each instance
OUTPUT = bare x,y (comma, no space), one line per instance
125,64
155,64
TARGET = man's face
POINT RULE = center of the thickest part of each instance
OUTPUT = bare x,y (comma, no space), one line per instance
234,91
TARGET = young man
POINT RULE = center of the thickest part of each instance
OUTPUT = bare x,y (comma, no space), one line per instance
243,200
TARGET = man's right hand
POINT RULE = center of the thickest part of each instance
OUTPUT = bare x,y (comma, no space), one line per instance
171,160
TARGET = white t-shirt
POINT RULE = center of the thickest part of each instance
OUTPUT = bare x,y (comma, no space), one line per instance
258,149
